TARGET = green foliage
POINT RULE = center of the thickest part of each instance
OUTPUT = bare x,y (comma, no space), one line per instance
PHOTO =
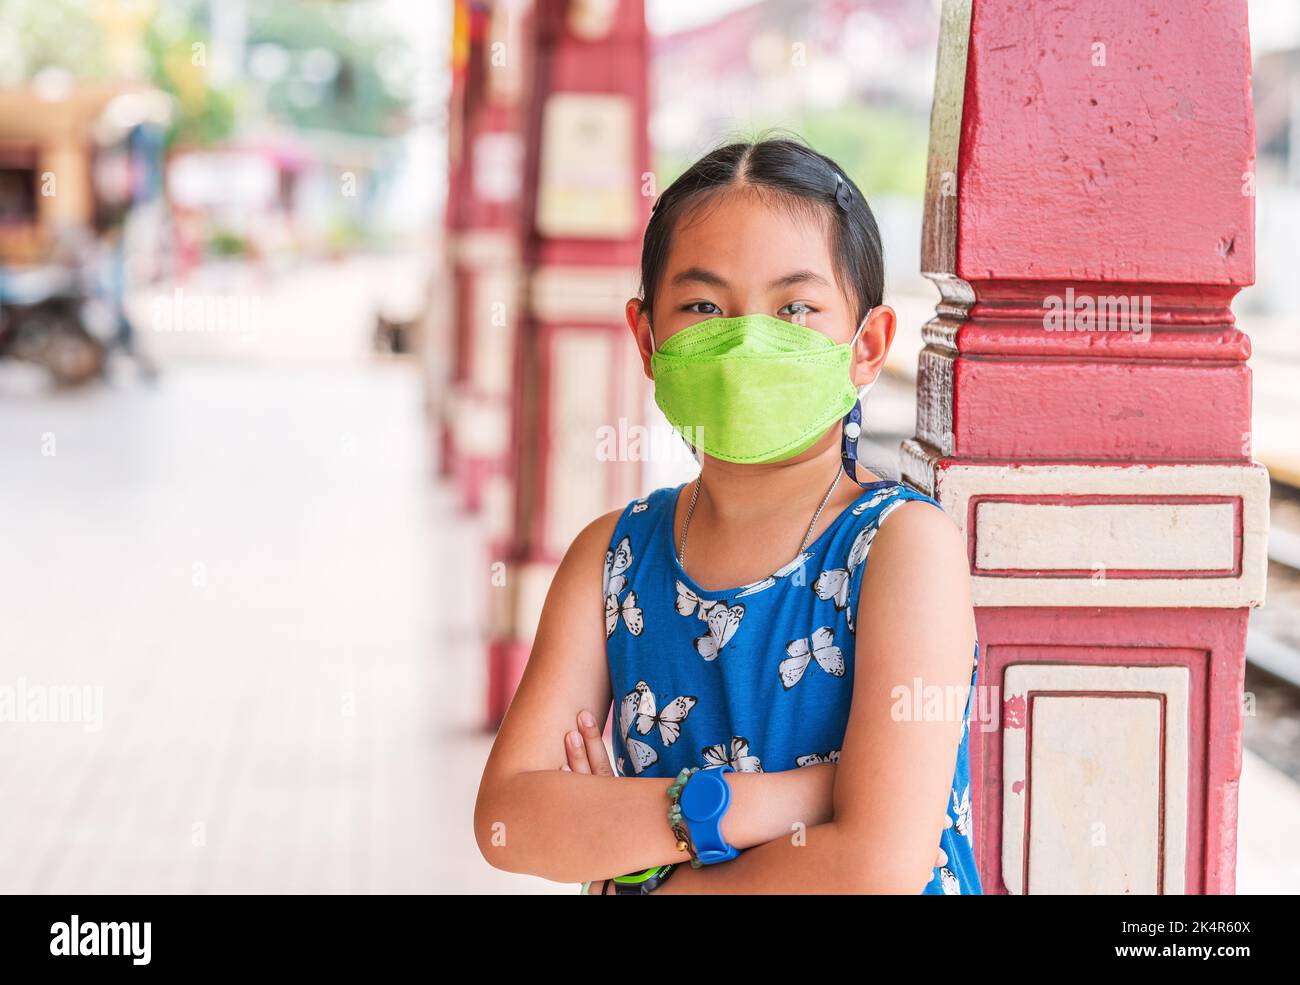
883,150
226,243
356,98
177,56
52,34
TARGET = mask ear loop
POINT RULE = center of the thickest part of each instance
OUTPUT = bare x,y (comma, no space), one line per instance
853,419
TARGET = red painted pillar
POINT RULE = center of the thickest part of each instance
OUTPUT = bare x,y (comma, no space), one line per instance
1084,413
440,356
483,247
587,196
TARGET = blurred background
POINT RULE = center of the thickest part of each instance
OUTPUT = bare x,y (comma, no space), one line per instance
246,588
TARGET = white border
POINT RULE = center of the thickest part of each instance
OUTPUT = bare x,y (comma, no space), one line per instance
957,484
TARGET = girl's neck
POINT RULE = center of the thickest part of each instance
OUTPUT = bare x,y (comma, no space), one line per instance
739,496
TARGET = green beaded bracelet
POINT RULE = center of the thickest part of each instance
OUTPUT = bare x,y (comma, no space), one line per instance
680,831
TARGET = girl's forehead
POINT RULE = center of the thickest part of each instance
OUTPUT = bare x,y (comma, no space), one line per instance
750,235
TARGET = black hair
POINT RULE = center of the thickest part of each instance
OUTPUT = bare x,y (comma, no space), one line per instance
799,177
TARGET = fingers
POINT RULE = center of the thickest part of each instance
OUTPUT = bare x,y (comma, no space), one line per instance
597,755
584,748
575,752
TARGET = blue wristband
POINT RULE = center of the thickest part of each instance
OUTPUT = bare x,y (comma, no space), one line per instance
704,800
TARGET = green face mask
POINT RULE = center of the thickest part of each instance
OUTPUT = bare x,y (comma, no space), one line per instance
753,388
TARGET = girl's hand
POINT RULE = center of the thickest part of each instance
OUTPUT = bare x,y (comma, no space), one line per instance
589,754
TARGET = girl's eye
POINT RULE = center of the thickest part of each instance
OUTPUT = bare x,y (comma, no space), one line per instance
799,308
695,306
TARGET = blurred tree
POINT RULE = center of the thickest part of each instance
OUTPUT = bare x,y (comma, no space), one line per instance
882,149
328,66
45,34
178,57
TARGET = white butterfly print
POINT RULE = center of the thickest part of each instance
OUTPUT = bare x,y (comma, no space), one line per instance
723,622
861,545
951,887
889,509
688,603
814,758
617,562
770,580
876,499
962,809
641,506
737,756
669,720
632,615
836,582
821,647
643,754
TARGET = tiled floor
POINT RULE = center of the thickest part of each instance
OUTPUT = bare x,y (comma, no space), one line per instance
256,567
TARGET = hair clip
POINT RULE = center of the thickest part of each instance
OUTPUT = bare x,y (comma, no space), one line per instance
843,196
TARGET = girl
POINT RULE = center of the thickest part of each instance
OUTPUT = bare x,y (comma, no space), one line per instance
787,716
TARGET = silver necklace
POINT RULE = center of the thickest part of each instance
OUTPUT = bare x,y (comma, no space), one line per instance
681,550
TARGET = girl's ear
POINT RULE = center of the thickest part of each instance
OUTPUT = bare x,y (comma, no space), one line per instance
640,326
873,344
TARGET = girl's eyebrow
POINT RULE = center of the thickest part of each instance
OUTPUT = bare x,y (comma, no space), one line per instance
800,277
701,276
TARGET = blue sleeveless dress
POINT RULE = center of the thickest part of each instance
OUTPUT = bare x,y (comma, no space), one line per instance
759,676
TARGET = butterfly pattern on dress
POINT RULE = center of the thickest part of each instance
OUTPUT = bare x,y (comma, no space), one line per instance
835,582
876,499
736,755
721,620
782,572
813,758
962,809
949,880
639,711
617,563
819,647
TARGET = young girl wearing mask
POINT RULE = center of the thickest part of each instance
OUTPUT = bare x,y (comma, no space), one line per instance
787,716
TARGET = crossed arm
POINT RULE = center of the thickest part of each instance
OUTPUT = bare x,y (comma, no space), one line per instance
563,815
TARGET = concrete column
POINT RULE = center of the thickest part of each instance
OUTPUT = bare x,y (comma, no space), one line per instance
577,372
1084,414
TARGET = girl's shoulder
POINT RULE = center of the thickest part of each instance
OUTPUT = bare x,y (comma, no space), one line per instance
867,518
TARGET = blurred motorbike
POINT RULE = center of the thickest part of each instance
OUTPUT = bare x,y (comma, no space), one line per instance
45,318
